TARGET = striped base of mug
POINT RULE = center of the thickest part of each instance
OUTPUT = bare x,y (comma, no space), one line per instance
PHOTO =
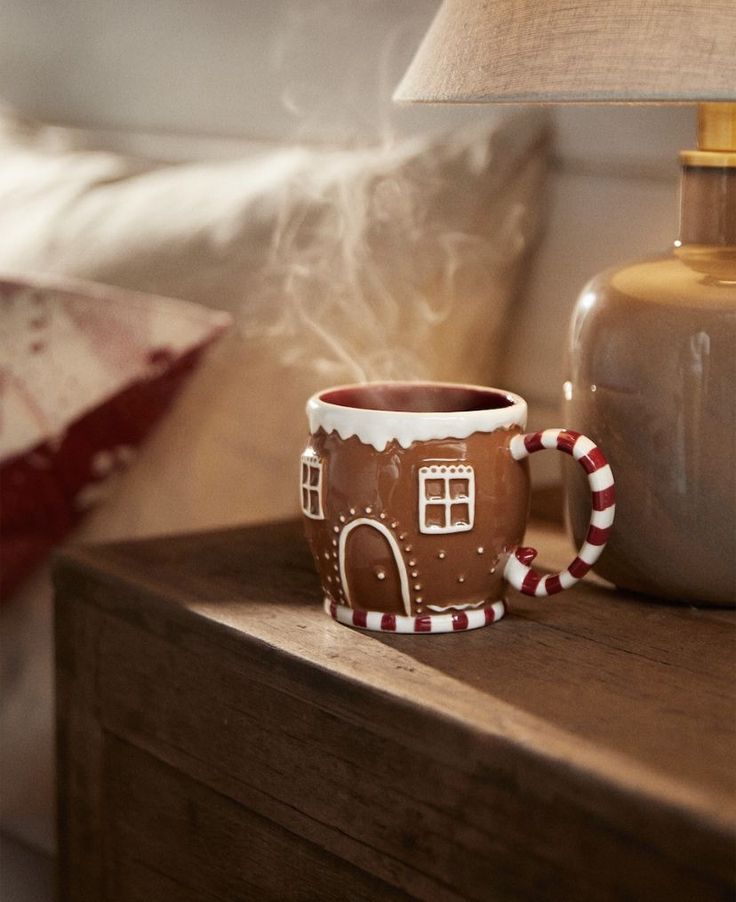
421,624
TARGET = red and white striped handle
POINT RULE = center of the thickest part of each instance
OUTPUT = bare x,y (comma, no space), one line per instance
600,478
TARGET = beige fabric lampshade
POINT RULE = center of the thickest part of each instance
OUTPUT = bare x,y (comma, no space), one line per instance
585,51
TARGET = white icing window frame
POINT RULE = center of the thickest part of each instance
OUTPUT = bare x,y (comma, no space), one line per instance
444,473
312,462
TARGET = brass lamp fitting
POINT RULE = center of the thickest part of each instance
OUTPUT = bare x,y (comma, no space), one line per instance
716,137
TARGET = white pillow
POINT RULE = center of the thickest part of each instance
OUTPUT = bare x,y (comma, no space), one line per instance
339,265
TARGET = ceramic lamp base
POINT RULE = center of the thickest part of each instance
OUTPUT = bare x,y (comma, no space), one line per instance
651,376
421,624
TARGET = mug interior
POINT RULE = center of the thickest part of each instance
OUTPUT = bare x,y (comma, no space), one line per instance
417,398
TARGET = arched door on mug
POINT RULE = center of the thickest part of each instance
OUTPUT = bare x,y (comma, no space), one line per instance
372,569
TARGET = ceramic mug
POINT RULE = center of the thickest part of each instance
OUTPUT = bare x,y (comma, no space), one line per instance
415,499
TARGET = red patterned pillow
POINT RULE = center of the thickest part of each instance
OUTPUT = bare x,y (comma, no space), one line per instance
85,372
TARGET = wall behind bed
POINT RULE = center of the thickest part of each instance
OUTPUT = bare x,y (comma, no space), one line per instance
189,78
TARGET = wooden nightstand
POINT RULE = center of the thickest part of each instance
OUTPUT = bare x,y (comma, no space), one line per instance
220,738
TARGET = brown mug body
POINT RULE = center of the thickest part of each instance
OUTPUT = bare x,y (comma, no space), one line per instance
414,528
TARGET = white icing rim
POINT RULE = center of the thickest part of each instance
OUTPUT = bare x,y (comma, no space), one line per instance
379,427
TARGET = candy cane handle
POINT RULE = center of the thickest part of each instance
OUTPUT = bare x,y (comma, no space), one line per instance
600,478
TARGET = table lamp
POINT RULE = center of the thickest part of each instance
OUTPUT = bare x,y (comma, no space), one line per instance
651,362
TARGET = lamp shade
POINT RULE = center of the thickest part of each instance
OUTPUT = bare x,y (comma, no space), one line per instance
584,51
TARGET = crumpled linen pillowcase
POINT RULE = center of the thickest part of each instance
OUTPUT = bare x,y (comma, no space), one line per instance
338,265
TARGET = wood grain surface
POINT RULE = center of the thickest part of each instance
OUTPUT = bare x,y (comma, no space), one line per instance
220,737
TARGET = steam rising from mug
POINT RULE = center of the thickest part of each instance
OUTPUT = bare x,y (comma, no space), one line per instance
395,260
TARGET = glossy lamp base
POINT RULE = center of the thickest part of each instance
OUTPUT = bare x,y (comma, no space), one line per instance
652,370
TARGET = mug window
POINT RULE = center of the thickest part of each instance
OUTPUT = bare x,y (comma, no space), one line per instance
311,486
446,499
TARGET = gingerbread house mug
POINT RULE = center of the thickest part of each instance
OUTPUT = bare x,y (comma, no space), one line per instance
415,499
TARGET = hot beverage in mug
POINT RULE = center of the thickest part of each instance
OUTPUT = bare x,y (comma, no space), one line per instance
415,499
